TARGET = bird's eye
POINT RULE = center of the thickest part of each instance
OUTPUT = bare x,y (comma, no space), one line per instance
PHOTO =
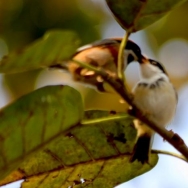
157,64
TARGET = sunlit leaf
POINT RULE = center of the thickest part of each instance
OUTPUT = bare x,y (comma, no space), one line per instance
34,120
96,153
55,46
135,15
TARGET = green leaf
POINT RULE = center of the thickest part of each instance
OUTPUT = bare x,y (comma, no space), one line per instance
135,15
96,152
55,46
34,120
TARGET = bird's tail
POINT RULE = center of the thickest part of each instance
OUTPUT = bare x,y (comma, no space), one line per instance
143,144
141,149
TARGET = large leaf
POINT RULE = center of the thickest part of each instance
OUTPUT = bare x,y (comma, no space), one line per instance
56,45
135,15
96,153
34,120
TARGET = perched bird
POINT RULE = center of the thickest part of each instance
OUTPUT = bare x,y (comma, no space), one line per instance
103,54
155,95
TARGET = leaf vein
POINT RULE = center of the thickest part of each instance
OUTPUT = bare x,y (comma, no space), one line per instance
84,147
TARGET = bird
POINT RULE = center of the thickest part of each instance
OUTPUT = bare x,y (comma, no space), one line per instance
103,54
156,97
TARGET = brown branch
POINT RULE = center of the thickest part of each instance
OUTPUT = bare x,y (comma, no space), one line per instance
173,138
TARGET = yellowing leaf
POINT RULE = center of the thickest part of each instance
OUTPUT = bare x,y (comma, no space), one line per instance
135,15
100,173
55,46
34,120
96,153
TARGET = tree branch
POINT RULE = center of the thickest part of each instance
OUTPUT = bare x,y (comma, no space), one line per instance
173,138
118,85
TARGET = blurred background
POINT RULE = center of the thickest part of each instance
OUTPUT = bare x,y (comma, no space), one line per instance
23,21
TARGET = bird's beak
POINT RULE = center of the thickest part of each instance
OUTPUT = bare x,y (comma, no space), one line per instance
143,60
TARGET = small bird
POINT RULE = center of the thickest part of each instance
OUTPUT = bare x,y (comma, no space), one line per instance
103,54
155,95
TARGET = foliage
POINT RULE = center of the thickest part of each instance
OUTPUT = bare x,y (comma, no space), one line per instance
94,152
24,21
136,15
37,115
44,137
41,53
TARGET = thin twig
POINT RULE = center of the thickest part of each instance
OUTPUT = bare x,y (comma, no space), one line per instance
105,119
169,153
121,56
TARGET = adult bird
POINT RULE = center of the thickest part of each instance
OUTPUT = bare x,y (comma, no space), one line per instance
103,54
155,95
